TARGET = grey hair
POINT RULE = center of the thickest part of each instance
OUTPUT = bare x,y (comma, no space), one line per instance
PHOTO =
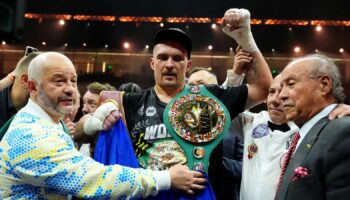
323,65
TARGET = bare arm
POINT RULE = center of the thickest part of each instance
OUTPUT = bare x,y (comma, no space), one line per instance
236,24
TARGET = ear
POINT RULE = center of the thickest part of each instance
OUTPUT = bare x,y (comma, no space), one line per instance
151,63
189,65
32,87
24,80
326,84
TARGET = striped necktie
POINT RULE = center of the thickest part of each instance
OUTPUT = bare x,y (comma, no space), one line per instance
289,155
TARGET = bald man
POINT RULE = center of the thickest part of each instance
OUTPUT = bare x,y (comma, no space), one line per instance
38,159
201,76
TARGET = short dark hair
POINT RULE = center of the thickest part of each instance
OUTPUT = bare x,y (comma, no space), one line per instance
130,87
174,34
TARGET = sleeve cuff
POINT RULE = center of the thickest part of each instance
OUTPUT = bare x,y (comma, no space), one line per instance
163,180
233,79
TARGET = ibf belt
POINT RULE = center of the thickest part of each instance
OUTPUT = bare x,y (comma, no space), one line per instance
197,120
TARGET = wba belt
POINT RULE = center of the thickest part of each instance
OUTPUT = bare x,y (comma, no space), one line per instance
197,120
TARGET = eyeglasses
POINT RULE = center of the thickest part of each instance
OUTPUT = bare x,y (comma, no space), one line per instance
30,50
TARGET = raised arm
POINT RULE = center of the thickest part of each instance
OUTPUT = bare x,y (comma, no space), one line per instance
236,24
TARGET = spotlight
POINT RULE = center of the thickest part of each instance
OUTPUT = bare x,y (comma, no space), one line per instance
66,44
290,29
318,28
213,26
43,43
296,49
147,46
84,44
231,49
161,24
210,47
316,50
341,50
61,22
106,45
126,45
3,42
273,50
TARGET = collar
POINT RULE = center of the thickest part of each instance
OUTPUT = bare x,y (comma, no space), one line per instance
37,111
309,124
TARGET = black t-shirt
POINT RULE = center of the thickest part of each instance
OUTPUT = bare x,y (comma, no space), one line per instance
154,146
7,110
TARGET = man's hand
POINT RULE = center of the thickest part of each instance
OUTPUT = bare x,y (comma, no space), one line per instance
103,118
236,24
340,111
70,125
185,180
243,61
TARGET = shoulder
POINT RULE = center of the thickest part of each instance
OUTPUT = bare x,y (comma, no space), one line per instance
341,124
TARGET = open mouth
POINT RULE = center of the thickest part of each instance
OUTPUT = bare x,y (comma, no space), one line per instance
66,102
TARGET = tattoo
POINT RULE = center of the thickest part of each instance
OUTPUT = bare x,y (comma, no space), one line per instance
252,73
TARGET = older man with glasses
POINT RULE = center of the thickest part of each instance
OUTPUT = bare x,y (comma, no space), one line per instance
15,96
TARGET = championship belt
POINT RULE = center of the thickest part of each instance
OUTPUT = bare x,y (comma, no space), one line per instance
197,120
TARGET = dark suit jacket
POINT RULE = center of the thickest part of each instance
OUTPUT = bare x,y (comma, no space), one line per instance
325,153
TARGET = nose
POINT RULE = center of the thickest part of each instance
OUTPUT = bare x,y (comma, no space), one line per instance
283,95
169,62
70,88
85,108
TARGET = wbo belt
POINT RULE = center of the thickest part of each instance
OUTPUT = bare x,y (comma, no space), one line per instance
197,120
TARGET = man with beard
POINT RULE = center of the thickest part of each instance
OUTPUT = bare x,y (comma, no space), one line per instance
170,62
38,159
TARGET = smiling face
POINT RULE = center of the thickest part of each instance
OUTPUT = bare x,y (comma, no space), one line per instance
274,104
170,64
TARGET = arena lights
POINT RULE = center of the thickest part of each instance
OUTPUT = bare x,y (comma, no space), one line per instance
66,44
3,42
61,22
316,50
188,19
147,46
126,45
106,46
161,24
296,49
341,50
156,19
84,44
43,43
318,28
231,49
213,26
210,47
94,18
285,22
140,19
273,50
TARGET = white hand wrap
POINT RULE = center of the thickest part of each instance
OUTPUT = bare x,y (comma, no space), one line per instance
239,19
95,122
